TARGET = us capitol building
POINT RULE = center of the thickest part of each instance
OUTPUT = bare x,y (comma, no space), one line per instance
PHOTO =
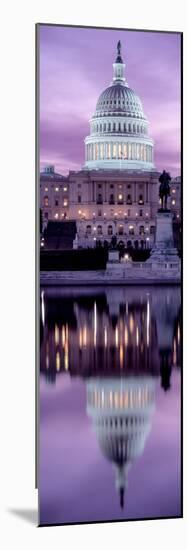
116,191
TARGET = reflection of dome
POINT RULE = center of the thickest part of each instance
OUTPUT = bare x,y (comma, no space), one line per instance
121,413
119,128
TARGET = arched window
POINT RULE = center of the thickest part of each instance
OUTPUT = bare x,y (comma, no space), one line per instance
46,201
120,230
129,199
141,230
140,200
88,230
131,230
99,230
152,230
111,199
110,230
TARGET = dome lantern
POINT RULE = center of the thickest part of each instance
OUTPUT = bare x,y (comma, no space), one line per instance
119,66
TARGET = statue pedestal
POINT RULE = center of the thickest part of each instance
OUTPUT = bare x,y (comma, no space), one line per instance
164,256
113,267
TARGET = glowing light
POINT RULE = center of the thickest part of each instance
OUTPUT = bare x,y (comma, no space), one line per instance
56,335
173,190
116,337
126,336
57,361
43,307
65,188
79,212
105,337
65,202
120,197
178,334
57,189
56,215
63,336
66,352
94,228
137,336
46,189
173,201
121,356
131,323
148,321
147,214
85,336
80,338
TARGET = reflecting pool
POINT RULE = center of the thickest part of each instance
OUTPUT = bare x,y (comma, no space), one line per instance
110,398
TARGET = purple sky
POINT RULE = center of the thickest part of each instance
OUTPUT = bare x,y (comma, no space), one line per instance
76,66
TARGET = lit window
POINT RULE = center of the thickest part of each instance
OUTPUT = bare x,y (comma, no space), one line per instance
131,230
99,230
65,202
110,230
46,201
120,197
65,189
173,202
46,189
79,212
56,215
57,189
173,191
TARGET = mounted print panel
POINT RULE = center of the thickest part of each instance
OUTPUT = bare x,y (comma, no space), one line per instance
110,211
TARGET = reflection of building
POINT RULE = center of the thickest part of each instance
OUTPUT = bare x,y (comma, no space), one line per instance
121,411
116,332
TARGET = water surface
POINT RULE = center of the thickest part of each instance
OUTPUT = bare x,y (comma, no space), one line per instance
109,404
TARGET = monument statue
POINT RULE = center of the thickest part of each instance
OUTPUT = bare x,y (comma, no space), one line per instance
164,189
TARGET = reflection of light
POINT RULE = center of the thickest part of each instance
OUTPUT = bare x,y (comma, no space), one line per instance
148,321
63,336
174,353
56,335
126,336
43,308
57,361
116,337
84,336
137,336
121,355
131,323
47,361
66,353
95,323
178,334
80,337
105,336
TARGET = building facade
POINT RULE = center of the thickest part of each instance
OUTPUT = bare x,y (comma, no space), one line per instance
116,191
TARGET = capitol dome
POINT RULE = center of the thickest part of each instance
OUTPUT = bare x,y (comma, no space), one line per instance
119,128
